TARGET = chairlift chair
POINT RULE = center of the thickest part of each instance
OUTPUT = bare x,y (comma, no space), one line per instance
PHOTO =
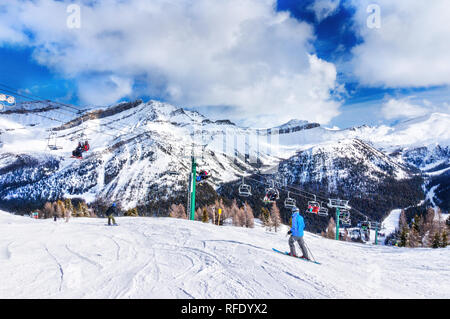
323,211
374,225
244,189
313,206
202,176
8,99
51,142
365,224
272,194
344,214
289,202
338,203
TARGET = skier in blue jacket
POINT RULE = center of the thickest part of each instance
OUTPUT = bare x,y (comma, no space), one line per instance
296,232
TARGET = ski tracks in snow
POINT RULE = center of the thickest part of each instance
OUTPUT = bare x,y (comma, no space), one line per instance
169,258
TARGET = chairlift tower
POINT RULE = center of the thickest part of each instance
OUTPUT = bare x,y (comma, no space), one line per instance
192,182
376,226
338,204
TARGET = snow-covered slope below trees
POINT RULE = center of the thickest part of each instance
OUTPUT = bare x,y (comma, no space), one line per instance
171,258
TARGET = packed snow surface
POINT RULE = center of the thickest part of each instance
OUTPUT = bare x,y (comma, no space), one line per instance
390,224
172,258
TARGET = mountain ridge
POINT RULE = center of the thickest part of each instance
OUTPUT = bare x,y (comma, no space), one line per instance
135,144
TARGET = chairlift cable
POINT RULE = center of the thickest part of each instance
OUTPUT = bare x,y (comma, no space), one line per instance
77,113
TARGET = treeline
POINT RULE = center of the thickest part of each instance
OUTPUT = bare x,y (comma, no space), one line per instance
430,230
65,209
77,207
240,216
234,214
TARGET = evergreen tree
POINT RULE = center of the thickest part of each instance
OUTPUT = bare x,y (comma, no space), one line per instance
133,212
429,221
402,222
60,209
404,236
265,216
444,242
436,240
205,216
82,210
416,223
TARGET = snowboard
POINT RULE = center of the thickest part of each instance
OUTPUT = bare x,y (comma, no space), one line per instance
112,225
287,254
80,158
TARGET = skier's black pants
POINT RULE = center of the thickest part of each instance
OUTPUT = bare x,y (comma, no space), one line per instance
301,243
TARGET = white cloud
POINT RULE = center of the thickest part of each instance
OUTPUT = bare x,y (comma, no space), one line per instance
106,89
324,8
240,53
411,107
410,49
403,108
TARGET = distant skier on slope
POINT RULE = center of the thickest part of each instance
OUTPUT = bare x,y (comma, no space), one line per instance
296,232
110,212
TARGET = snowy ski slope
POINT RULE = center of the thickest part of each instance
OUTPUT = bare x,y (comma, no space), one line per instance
171,258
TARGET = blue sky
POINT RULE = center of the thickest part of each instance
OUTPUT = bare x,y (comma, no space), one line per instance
331,30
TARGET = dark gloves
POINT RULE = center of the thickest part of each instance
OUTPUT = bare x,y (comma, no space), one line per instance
289,232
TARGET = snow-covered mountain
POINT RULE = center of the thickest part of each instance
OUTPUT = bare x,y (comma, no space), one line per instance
360,164
137,147
134,149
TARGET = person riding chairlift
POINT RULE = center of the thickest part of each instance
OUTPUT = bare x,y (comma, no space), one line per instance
82,147
313,209
202,175
271,196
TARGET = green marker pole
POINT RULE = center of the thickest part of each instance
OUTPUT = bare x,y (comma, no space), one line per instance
194,182
337,223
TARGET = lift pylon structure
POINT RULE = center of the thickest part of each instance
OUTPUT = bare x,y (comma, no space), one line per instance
338,204
192,182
